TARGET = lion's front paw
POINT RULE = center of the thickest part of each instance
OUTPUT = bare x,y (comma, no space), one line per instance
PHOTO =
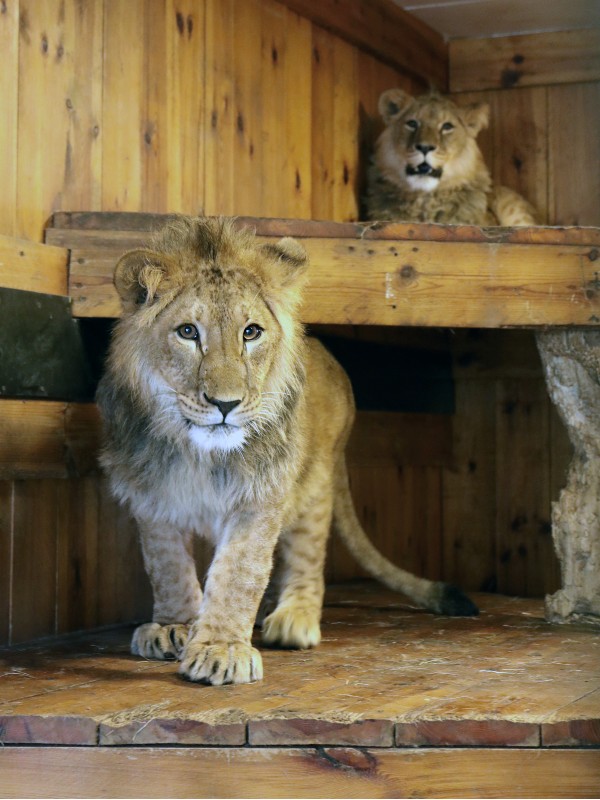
153,640
292,626
222,662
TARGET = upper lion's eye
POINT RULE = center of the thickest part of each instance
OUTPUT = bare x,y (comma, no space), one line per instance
412,124
252,332
188,331
447,126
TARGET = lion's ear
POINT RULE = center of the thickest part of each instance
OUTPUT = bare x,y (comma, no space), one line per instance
392,103
138,275
476,117
291,258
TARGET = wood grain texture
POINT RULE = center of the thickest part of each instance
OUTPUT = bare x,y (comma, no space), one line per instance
33,267
33,599
574,127
297,772
44,438
386,675
403,282
384,29
537,59
6,545
9,92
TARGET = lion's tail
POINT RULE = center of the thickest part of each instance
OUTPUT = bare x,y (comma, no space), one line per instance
441,598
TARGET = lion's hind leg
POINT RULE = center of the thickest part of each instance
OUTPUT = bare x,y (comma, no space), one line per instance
299,579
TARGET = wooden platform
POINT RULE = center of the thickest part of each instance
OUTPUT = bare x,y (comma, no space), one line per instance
395,702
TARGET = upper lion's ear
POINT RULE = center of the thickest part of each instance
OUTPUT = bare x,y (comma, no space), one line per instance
392,103
138,275
292,257
476,117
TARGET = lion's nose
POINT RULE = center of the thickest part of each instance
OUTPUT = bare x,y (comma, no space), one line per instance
224,406
425,148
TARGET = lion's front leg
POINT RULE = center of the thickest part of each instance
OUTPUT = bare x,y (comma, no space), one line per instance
219,648
177,595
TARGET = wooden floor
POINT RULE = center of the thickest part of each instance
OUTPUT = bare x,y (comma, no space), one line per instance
394,702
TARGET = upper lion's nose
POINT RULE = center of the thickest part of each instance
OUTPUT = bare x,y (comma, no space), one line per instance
224,406
425,148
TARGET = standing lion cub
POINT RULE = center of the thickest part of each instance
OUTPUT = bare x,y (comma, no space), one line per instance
428,167
222,420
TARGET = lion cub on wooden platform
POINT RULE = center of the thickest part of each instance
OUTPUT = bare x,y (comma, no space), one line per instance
222,419
428,167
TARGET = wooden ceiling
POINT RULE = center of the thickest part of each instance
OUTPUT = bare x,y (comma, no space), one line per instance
473,19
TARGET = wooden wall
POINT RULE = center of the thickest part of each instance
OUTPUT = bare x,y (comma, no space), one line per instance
248,107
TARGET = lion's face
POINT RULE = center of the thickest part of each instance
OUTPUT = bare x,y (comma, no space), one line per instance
212,342
429,142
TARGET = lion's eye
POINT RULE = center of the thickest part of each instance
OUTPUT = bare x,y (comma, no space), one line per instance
252,332
412,124
447,126
188,331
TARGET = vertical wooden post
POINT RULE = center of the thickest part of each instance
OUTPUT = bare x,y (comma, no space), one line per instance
571,360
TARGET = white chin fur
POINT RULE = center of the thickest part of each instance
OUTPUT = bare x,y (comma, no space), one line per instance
216,437
422,183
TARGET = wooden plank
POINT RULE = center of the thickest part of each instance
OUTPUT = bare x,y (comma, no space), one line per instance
527,565
44,438
519,123
32,438
77,555
33,267
574,126
33,600
122,112
400,439
59,107
6,544
447,284
123,587
186,113
469,510
297,772
219,108
9,104
63,226
536,59
384,30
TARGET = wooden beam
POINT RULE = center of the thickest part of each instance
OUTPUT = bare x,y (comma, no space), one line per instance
382,28
47,439
536,59
298,772
388,275
33,267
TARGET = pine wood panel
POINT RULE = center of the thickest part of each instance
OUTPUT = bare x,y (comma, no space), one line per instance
41,438
34,585
123,90
77,555
574,146
6,533
538,59
59,97
9,94
456,284
385,30
33,267
527,564
297,772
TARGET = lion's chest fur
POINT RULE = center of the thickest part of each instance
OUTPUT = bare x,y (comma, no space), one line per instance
462,205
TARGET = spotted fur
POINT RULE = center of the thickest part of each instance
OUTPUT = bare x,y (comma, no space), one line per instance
427,166
234,437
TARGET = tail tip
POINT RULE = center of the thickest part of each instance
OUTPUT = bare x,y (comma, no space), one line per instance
453,602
